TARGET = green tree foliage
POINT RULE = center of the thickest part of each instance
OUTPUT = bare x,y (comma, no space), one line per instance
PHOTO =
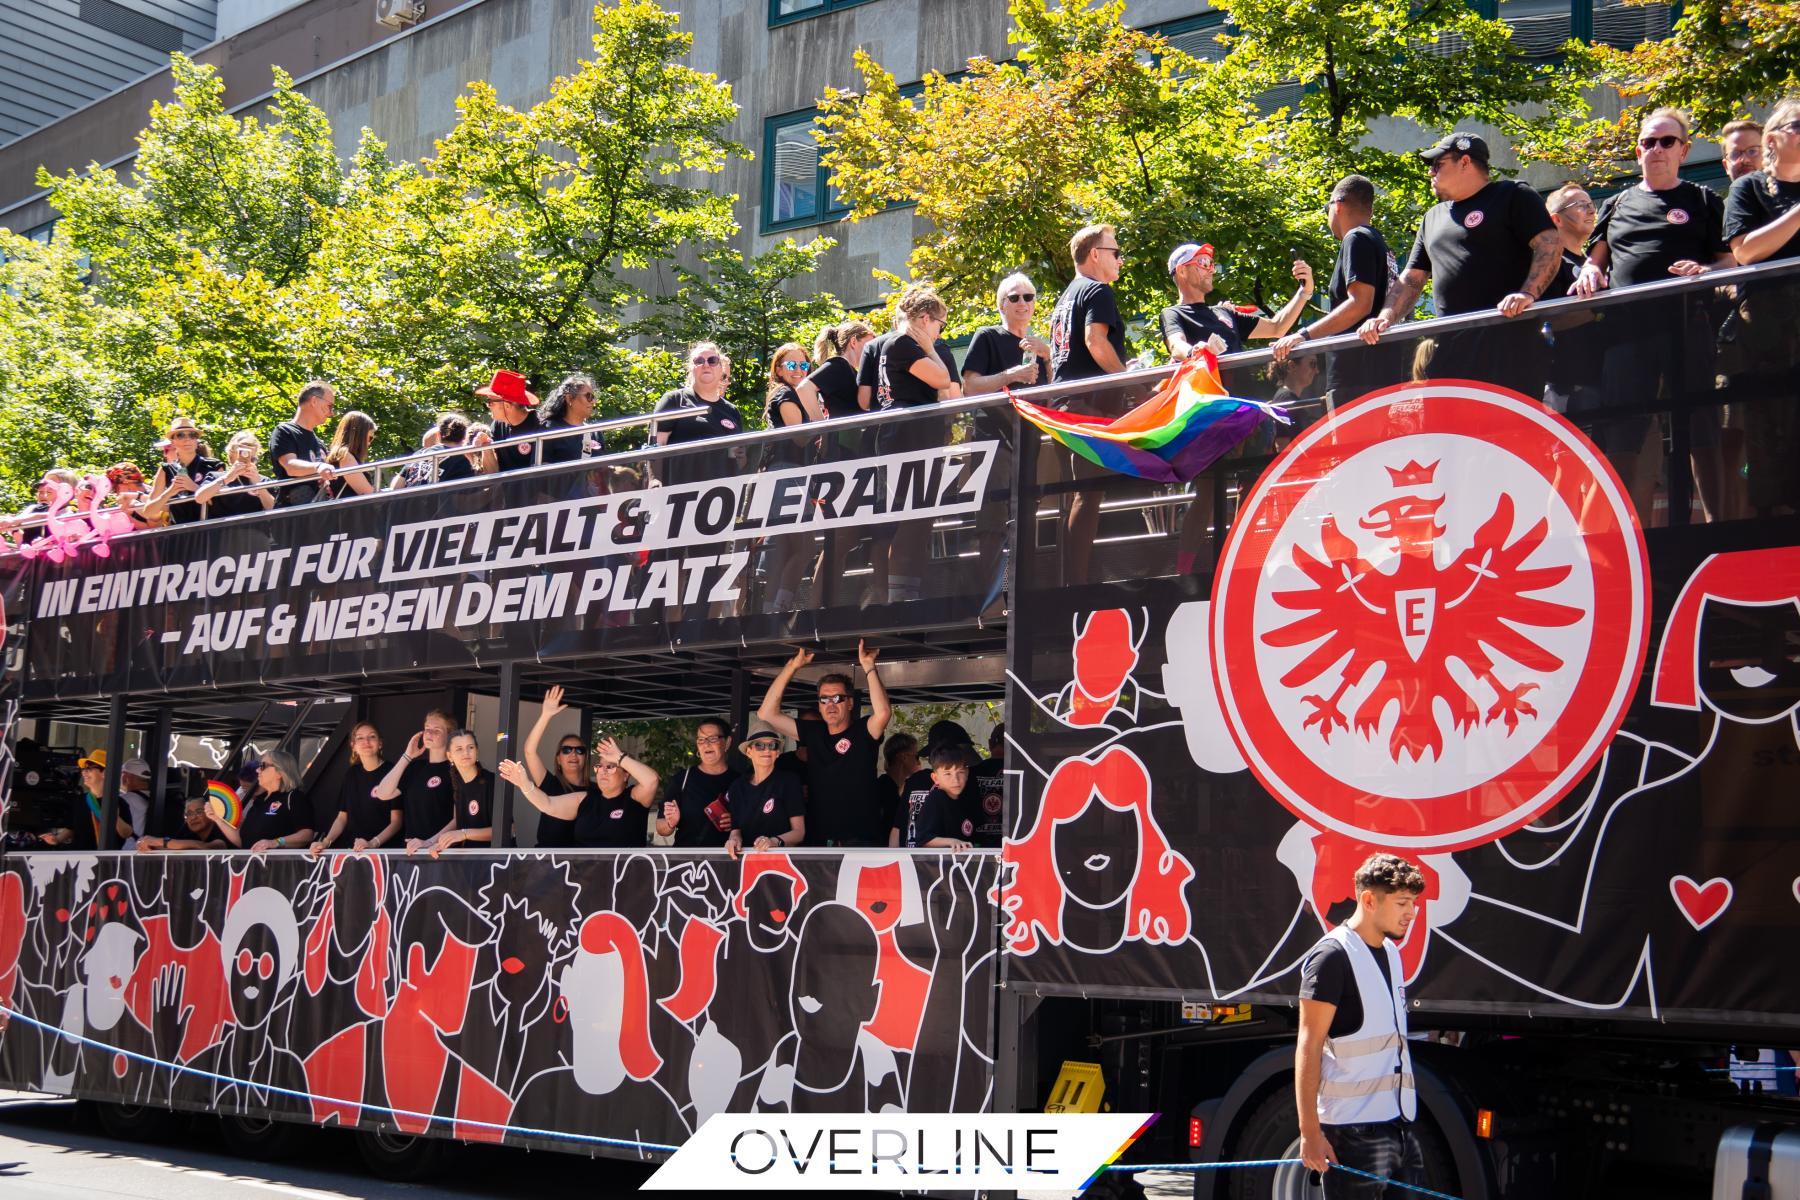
1094,121
239,257
1724,58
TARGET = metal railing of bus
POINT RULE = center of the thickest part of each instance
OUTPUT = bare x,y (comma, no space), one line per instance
1404,332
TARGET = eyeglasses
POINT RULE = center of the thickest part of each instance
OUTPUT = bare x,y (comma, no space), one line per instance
571,749
1575,206
1022,298
790,365
709,360
708,741
184,434
1667,141
834,699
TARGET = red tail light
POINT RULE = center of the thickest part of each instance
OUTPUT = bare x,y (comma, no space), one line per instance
1196,1132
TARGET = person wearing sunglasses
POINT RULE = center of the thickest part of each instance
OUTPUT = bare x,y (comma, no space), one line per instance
1661,226
768,809
295,451
831,388
696,809
1009,354
570,405
841,752
131,493
705,389
611,813
568,769
911,372
190,465
1762,214
1487,244
785,406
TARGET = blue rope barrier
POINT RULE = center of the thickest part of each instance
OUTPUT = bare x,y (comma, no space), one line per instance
588,1138
1278,1162
309,1097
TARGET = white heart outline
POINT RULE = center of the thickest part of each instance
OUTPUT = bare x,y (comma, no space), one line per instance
1699,888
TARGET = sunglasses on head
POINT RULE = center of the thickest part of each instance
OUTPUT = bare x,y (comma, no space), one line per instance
1022,298
1667,141
706,360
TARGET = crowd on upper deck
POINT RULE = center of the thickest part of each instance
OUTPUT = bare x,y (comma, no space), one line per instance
848,781
1488,244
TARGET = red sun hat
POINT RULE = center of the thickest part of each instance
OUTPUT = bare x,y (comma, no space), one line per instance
508,387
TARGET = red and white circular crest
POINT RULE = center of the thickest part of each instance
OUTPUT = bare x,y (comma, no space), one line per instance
1473,219
968,827
1678,216
843,745
435,781
769,805
474,807
1430,616
617,814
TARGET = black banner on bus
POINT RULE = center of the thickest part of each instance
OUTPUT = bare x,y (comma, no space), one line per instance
1435,629
526,565
542,1000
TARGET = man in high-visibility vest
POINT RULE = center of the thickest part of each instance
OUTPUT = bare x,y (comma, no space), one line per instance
1353,1073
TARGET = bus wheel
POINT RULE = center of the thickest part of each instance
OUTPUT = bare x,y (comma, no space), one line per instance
261,1137
1273,1131
401,1157
133,1122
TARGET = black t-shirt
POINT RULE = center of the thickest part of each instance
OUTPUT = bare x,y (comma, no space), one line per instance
426,797
571,447
454,466
763,809
610,822
182,509
1567,269
234,501
554,833
1326,974
367,815
836,380
1363,257
474,804
996,349
290,437
721,419
1084,302
274,815
1750,207
933,813
887,802
1478,251
842,804
692,792
896,386
784,409
1198,321
868,371
522,454
983,801
1648,231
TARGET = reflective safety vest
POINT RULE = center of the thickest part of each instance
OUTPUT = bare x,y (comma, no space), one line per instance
1368,1075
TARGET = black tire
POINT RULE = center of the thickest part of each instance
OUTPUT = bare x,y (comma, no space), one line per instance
1272,1130
133,1122
261,1138
402,1158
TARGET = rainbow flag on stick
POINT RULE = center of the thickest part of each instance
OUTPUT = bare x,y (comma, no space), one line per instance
1185,427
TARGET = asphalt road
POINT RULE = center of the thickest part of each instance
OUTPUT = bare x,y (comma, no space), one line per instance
52,1150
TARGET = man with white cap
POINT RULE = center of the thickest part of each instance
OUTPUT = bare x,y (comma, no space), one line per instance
1191,323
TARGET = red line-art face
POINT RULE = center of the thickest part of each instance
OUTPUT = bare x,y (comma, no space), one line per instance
1046,874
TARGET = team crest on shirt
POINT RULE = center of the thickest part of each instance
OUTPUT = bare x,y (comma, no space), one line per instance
274,808
769,805
968,827
843,745
1678,216
1473,219
434,781
617,814
474,807
990,803
727,423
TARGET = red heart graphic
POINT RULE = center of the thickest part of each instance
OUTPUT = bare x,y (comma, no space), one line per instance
1700,903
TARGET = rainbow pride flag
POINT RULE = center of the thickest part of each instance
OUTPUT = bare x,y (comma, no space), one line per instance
1185,427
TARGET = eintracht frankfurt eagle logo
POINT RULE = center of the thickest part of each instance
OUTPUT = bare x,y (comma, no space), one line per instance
1430,616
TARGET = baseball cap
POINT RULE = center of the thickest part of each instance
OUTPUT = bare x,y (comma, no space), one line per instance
95,758
136,766
1181,255
1471,144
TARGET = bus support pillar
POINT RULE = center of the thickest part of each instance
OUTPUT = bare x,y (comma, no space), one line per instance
115,761
156,750
508,721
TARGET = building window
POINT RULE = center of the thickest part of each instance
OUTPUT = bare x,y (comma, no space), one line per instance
1197,37
1540,27
796,189
783,11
